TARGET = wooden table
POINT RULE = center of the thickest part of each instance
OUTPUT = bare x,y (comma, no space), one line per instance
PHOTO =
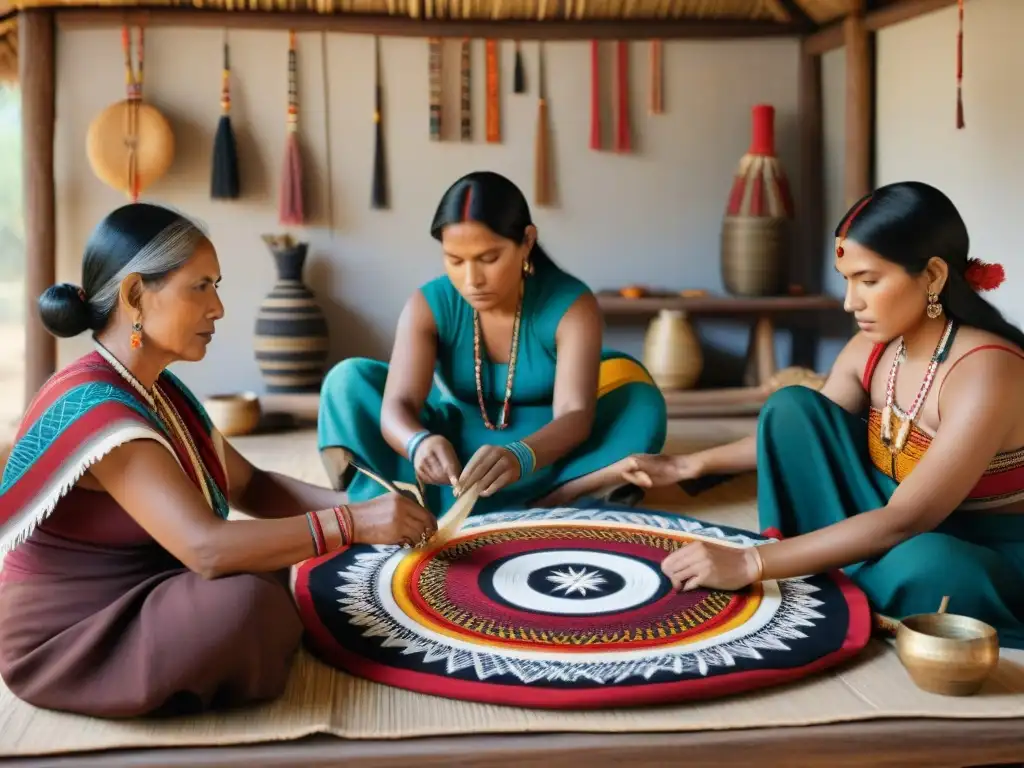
762,312
910,743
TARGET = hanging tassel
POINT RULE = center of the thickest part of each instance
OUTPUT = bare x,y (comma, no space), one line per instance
542,177
493,94
290,207
379,194
657,71
434,63
622,136
224,182
595,95
519,79
466,77
960,65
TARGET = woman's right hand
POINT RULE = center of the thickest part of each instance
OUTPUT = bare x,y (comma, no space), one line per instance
436,463
391,519
651,470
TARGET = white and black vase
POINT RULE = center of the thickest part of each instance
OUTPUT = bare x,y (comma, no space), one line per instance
291,341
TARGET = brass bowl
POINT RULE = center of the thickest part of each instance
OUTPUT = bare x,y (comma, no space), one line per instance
947,654
234,414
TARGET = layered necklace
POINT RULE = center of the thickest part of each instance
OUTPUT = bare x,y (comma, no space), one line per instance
506,407
909,417
168,415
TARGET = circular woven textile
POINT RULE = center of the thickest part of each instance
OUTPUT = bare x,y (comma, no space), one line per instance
568,608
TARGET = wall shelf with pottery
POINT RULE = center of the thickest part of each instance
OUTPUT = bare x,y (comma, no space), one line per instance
671,314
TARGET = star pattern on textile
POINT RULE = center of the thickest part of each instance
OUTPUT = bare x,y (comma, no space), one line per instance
582,581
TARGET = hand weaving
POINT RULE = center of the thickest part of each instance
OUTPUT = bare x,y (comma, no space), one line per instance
568,608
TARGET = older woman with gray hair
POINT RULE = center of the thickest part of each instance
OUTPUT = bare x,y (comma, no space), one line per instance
125,589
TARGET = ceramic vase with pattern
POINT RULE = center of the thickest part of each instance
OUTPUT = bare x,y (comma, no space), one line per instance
756,227
291,340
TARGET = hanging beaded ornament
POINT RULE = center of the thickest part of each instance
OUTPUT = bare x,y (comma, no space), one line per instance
909,417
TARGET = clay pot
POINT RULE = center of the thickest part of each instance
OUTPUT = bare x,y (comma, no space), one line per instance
672,352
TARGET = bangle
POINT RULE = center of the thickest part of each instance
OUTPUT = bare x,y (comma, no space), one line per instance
344,517
317,533
414,442
524,455
760,564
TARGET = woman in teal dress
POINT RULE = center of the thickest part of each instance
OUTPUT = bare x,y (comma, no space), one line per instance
907,469
498,378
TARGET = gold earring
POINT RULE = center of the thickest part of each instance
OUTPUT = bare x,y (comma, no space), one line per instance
527,267
934,308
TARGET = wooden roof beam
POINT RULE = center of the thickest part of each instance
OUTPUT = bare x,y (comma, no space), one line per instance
402,26
831,37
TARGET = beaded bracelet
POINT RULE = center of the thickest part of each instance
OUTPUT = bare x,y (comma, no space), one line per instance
414,442
524,455
316,531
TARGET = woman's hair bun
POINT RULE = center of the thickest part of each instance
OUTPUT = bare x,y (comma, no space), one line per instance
64,310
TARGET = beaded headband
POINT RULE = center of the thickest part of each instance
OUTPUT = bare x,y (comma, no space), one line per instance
846,225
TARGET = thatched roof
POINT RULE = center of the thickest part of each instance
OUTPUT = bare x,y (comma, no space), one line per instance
804,14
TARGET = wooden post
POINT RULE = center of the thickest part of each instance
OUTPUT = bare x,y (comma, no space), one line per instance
811,212
37,76
860,107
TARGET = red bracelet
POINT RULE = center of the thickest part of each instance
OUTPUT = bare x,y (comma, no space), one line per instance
343,526
346,523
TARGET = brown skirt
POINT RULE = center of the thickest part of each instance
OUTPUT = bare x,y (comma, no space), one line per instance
128,631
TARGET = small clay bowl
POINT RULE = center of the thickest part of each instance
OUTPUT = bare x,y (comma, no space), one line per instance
947,654
234,414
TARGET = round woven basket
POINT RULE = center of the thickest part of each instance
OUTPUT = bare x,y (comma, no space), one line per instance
753,255
109,146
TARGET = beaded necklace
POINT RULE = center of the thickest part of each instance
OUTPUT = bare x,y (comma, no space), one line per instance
168,416
478,365
908,417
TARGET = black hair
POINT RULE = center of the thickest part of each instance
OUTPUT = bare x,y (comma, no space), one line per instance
494,201
910,222
141,238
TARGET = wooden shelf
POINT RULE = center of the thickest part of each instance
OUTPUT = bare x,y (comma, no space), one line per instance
615,305
761,311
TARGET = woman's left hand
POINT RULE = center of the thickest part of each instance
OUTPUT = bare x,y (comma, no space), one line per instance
711,566
491,468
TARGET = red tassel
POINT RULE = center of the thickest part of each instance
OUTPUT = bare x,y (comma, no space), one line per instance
290,210
622,137
595,95
960,65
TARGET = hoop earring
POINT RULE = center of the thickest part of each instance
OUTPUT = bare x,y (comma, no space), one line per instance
136,338
934,308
